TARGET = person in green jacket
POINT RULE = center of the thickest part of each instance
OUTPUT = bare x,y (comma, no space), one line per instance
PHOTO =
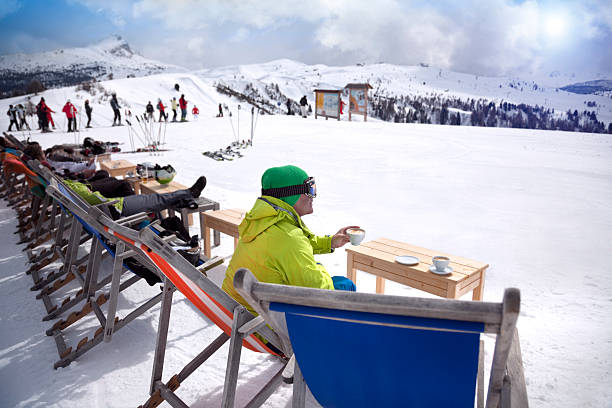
274,242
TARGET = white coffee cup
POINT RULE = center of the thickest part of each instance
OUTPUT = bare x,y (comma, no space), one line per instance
440,262
356,235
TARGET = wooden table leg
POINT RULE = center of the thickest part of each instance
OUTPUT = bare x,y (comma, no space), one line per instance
478,292
206,239
380,285
351,272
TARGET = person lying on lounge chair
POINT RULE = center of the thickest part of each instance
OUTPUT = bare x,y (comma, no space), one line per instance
134,204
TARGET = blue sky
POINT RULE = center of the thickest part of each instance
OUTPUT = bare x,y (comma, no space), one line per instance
493,37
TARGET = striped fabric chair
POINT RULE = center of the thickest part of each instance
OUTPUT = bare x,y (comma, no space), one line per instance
235,322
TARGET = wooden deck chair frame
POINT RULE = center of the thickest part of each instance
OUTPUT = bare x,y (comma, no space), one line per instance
237,324
109,323
506,385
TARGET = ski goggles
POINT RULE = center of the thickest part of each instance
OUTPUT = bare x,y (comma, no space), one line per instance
308,187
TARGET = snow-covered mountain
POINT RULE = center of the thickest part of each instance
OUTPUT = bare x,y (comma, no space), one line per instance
402,88
110,58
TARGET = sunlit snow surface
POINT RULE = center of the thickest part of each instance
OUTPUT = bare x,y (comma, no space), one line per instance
535,205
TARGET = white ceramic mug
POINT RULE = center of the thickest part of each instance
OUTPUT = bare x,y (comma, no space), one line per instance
440,262
356,235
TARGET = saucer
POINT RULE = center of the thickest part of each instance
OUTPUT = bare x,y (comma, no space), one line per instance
447,270
407,260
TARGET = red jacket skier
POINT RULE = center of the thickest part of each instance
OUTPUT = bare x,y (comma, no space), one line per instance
70,111
48,110
183,106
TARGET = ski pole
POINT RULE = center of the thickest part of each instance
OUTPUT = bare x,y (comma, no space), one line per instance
252,117
238,125
231,123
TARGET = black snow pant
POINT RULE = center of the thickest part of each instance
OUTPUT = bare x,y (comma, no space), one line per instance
117,116
154,202
13,121
72,125
174,117
111,187
88,119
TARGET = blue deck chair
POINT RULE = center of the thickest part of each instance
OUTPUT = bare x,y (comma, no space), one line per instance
369,350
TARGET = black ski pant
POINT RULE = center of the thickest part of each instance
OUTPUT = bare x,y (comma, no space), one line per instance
88,118
174,117
111,187
13,121
117,116
72,125
23,123
153,202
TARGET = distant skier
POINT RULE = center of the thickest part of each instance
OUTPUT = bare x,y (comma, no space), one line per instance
12,114
116,110
21,117
289,107
150,111
88,110
30,107
43,117
220,115
70,111
49,111
174,105
176,86
162,110
303,105
195,112
341,105
183,105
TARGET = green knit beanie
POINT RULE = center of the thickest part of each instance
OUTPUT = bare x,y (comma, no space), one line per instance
284,176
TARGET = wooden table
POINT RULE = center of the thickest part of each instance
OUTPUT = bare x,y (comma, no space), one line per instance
118,168
378,257
204,204
225,221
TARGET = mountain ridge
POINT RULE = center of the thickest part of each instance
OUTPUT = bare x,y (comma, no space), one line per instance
110,58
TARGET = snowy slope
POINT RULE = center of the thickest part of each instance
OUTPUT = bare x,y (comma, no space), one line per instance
534,205
296,79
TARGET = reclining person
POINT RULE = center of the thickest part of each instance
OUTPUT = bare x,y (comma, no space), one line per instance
274,242
133,204
130,204
86,172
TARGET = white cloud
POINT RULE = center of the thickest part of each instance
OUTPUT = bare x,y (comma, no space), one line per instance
481,36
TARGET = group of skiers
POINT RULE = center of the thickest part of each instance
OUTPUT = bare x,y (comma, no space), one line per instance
303,106
18,113
163,115
17,117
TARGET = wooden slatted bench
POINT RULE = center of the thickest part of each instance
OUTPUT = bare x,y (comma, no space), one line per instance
378,258
225,221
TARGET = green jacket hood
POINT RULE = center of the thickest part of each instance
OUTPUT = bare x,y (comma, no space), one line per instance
266,212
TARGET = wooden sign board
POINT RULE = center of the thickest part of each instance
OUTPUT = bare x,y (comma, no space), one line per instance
358,99
327,103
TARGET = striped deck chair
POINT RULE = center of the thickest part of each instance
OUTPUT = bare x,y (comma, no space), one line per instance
236,323
42,219
92,295
369,350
